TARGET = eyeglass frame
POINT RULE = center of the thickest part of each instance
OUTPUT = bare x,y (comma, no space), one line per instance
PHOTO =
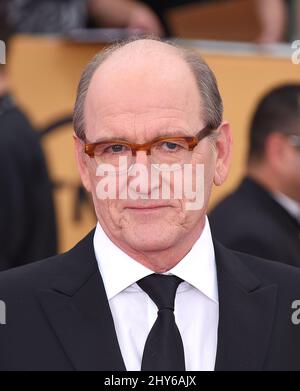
294,140
192,141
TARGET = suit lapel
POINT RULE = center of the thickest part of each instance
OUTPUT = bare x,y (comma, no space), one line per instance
78,312
246,314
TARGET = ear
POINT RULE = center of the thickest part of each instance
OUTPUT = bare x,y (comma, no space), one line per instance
223,146
276,151
82,163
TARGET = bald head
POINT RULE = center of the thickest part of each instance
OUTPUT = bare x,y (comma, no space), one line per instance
141,60
138,49
127,72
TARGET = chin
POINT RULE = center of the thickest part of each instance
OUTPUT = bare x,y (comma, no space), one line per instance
149,238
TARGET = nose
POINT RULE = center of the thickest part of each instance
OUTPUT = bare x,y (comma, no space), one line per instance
142,158
142,168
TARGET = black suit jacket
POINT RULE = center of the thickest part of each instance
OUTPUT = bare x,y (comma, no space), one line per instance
58,316
251,221
27,217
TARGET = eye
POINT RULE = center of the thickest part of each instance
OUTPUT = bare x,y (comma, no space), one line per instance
171,146
116,148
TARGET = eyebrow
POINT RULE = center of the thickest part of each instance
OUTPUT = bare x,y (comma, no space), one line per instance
118,138
107,139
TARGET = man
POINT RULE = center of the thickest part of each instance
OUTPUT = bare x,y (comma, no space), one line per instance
27,219
150,105
262,216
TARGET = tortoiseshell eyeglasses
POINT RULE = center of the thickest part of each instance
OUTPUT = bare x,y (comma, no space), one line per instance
161,151
294,140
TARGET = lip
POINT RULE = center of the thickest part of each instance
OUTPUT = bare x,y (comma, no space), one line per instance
147,211
146,207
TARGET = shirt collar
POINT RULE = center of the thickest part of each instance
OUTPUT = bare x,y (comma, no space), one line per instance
119,271
198,267
290,205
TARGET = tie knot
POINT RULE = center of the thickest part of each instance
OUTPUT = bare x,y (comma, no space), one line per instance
161,289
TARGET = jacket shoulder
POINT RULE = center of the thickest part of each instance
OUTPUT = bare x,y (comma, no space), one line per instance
30,276
69,266
270,271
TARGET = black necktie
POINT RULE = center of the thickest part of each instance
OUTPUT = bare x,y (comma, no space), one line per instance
163,349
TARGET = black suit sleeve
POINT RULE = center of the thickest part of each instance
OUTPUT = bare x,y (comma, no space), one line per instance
27,218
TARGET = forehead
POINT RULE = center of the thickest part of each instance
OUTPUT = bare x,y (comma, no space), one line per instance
144,87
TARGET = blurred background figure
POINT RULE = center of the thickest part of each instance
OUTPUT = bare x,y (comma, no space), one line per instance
61,16
27,220
262,217
279,19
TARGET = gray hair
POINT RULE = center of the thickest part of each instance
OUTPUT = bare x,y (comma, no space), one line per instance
206,82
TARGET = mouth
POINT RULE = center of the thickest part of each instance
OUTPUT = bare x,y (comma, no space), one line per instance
146,208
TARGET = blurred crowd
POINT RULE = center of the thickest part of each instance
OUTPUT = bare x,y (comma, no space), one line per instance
279,19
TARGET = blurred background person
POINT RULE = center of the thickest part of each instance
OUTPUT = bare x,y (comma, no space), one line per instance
279,20
62,16
262,216
27,219
273,17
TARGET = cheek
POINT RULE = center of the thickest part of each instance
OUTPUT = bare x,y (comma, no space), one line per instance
109,214
203,173
106,205
291,168
296,167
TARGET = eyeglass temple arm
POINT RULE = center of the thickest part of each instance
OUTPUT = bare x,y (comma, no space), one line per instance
206,131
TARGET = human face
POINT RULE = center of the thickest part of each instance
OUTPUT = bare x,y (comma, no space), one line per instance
291,177
151,101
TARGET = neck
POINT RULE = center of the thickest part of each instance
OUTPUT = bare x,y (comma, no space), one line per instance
262,174
266,177
4,85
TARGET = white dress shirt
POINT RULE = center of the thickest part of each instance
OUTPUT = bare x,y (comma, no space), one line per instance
290,205
134,313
